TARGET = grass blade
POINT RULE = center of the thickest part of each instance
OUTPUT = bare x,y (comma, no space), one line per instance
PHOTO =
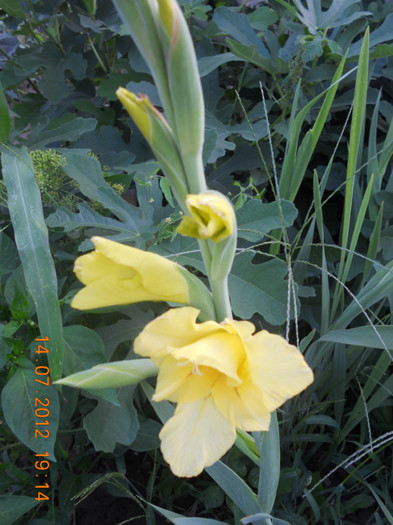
296,161
358,113
324,274
357,228
4,117
373,246
32,241
235,488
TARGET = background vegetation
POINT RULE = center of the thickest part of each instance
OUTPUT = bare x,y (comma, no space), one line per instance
299,134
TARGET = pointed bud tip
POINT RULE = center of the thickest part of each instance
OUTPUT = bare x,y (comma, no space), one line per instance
136,108
166,11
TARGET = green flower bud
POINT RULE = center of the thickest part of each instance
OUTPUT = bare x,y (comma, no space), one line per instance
158,133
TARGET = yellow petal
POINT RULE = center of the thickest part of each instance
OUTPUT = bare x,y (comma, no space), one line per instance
222,351
178,382
174,329
116,274
243,328
212,217
195,437
277,367
244,405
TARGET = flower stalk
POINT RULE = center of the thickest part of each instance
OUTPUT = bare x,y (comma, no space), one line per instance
220,374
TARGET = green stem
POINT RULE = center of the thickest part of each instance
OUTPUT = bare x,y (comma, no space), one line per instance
195,174
218,287
206,255
222,303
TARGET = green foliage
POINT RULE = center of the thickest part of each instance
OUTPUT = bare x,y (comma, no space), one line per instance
313,260
18,400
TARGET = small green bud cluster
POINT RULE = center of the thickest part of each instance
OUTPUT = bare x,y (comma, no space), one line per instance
55,186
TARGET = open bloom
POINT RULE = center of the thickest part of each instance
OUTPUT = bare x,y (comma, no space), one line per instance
116,274
212,217
222,377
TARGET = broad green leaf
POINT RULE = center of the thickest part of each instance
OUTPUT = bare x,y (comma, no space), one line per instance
381,51
262,18
147,437
258,131
290,8
124,329
382,34
251,54
113,151
87,172
147,88
314,18
13,8
245,157
255,219
112,375
109,424
216,145
83,349
235,488
32,241
19,402
208,64
264,287
55,63
87,217
163,409
109,84
182,250
238,26
105,117
13,507
68,131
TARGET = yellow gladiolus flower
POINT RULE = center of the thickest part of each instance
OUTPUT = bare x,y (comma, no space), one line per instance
212,217
116,274
222,377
